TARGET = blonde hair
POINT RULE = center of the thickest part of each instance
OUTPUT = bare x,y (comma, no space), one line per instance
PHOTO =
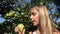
46,24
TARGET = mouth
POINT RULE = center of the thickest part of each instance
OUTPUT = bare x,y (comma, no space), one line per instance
33,21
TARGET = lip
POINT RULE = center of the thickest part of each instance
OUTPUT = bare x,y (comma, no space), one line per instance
33,21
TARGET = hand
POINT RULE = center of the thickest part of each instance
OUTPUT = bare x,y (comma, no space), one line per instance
19,32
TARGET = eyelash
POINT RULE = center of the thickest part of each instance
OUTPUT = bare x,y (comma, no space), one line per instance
33,14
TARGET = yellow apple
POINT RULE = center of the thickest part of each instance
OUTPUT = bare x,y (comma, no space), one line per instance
20,27
22,13
13,12
16,15
41,3
7,14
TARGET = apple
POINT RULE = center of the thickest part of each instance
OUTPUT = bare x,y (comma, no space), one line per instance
20,27
16,15
10,14
7,14
41,3
13,12
22,13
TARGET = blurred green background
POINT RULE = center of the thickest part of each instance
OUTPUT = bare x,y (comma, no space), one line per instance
13,12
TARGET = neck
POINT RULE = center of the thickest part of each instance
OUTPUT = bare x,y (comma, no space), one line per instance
38,30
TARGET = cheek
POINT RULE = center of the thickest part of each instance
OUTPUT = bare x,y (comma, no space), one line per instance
37,19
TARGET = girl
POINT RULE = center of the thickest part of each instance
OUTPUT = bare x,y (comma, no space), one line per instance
41,21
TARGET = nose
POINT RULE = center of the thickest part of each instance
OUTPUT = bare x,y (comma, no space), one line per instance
31,16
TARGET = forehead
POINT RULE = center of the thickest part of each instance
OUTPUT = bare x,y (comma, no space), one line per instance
33,9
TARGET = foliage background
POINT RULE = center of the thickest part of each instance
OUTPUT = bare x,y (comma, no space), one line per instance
17,11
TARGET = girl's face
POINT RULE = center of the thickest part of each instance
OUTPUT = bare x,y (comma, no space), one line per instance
34,16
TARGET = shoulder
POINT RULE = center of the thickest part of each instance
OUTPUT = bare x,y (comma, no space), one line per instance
55,31
30,32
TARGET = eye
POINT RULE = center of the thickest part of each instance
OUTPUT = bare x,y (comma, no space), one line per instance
33,14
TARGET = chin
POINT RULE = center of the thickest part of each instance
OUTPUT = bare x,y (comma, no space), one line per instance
34,25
